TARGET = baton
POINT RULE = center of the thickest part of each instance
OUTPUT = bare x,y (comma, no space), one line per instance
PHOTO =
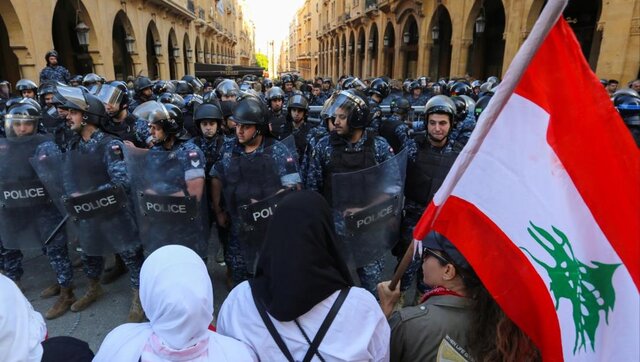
57,229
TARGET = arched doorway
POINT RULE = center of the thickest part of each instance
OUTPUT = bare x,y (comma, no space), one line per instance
583,17
372,48
9,66
487,50
207,53
174,53
187,54
410,38
199,54
440,58
153,46
343,56
74,57
122,62
361,49
352,55
388,43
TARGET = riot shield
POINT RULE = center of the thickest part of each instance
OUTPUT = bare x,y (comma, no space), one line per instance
98,208
367,208
252,188
165,210
27,213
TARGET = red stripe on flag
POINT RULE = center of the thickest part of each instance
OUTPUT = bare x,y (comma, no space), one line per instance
590,138
505,271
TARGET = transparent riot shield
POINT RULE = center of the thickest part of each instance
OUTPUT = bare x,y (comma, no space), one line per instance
367,208
166,211
98,207
27,213
253,185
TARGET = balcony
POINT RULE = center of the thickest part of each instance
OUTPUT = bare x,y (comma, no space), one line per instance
184,9
191,6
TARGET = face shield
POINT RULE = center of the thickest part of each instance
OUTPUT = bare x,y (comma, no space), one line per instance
344,101
111,97
72,98
151,112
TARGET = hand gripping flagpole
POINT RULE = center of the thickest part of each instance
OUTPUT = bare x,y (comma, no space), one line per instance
548,18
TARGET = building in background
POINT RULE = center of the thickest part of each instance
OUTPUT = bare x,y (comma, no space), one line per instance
120,38
449,38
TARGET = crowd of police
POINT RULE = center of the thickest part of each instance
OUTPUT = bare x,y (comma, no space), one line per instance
128,167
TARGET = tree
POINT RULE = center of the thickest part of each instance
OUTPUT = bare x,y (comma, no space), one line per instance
262,60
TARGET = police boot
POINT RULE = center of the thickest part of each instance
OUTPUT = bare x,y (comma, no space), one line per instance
50,291
118,270
94,292
136,314
61,306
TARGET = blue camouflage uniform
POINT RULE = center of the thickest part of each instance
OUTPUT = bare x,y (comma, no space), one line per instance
401,133
56,73
460,134
117,171
370,275
318,100
420,101
284,175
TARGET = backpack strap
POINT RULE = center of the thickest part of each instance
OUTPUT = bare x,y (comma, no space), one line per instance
313,349
272,329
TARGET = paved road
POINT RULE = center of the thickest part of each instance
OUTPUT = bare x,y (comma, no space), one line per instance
94,323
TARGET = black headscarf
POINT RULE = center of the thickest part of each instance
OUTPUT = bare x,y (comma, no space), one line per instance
299,265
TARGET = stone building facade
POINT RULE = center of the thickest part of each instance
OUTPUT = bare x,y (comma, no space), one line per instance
157,38
410,38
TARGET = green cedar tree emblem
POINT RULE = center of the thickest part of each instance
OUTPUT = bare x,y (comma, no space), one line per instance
588,288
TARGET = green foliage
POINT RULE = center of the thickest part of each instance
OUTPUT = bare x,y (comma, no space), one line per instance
262,61
588,288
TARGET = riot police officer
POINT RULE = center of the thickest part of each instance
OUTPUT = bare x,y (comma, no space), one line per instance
465,121
142,92
54,71
351,148
92,81
277,116
288,87
252,171
121,122
103,152
27,88
227,91
426,172
297,111
377,92
208,119
415,97
628,105
317,96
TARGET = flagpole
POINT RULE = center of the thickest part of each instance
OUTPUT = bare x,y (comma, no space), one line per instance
546,21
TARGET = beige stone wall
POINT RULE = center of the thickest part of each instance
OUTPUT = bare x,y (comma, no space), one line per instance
351,37
196,25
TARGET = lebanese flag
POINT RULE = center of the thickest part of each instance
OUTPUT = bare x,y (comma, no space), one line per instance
544,202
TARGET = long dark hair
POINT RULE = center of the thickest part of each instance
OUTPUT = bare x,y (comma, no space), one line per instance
493,336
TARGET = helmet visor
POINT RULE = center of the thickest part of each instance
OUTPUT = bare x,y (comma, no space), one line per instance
341,103
109,95
72,98
20,125
151,112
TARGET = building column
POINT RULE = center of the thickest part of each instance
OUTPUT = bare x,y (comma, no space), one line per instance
459,66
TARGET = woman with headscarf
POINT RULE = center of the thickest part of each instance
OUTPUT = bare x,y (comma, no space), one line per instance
177,296
302,303
22,329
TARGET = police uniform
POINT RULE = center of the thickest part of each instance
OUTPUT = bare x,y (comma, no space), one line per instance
462,132
333,154
111,150
246,176
56,73
280,128
420,101
396,133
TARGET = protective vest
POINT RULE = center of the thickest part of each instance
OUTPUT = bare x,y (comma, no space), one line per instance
425,176
88,182
280,128
211,155
125,130
388,132
253,176
345,159
15,156
300,138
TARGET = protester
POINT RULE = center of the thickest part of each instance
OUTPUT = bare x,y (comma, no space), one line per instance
299,278
457,318
177,296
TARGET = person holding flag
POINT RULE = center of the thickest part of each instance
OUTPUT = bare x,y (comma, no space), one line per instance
530,204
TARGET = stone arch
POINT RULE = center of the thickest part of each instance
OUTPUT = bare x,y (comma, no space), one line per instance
409,40
172,44
583,17
351,47
207,53
486,52
151,38
388,46
440,57
186,50
66,15
11,37
122,61
198,53
361,51
373,44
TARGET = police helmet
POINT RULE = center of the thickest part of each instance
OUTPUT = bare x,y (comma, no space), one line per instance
210,98
400,105
250,111
493,79
50,53
353,102
460,88
141,83
227,88
192,101
161,86
76,80
441,104
628,105
476,84
21,113
266,84
298,101
353,83
487,87
175,113
26,84
172,98
481,104
80,99
195,83
414,85
91,79
274,93
380,87
287,78
183,88
207,111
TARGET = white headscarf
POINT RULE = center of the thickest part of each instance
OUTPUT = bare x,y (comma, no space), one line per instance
177,297
22,329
